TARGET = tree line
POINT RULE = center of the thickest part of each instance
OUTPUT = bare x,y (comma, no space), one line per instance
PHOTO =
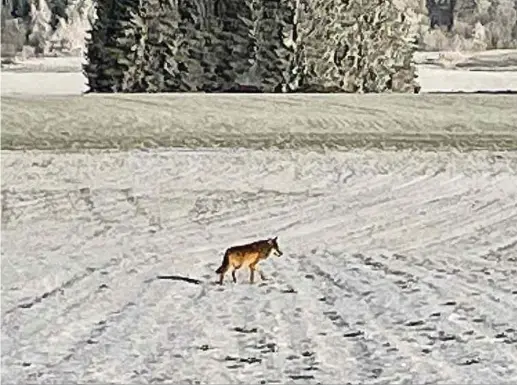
250,45
472,25
59,27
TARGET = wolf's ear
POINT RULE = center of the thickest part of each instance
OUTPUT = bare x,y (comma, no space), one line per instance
275,238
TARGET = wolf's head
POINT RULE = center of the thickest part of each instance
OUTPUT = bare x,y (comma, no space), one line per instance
274,246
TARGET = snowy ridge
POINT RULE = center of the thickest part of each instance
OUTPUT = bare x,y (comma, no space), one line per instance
316,122
398,267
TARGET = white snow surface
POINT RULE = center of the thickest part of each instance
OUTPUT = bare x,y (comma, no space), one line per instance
431,79
490,60
398,267
493,70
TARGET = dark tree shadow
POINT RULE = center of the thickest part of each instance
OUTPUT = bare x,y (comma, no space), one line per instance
483,92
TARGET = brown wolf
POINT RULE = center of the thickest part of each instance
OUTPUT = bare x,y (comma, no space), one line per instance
248,255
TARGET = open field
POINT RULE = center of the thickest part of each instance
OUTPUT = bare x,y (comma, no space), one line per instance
432,78
463,122
438,71
491,60
398,267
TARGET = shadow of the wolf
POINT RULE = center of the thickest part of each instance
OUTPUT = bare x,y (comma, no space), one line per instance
236,257
180,278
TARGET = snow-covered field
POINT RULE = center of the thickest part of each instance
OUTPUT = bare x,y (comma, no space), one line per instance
398,267
431,79
400,243
493,70
491,60
318,122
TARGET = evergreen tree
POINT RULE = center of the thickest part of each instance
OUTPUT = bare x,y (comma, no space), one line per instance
114,48
503,17
193,47
98,62
277,45
39,26
58,9
162,59
272,37
71,30
466,10
233,46
294,24
359,46
131,46
142,46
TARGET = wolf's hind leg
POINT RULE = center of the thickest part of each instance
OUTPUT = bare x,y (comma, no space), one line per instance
221,274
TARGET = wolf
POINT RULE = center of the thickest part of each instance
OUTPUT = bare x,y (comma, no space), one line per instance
248,255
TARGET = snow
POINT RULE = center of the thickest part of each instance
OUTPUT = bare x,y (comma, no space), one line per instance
398,266
438,71
491,60
444,80
315,122
46,64
43,83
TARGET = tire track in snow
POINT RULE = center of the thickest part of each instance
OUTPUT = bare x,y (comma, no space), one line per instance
356,320
77,318
339,216
432,319
495,215
75,300
174,331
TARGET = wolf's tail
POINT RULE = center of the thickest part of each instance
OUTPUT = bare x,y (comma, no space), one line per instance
224,265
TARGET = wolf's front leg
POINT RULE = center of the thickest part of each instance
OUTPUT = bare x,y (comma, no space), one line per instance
262,276
252,274
234,276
